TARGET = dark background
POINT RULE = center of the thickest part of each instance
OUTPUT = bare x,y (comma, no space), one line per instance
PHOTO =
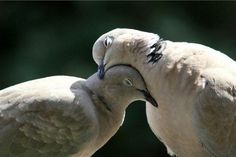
39,39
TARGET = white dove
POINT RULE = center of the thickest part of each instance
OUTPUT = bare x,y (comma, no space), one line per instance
194,85
63,116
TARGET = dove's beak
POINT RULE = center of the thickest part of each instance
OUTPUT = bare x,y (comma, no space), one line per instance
149,98
101,71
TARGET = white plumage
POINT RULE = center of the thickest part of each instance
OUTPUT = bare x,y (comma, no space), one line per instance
194,85
64,116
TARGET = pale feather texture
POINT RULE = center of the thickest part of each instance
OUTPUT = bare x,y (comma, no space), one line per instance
63,116
194,85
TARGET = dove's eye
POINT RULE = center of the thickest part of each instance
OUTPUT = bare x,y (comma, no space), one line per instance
127,82
107,41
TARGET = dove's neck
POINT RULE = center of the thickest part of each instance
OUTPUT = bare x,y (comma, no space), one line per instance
110,113
103,95
175,81
177,72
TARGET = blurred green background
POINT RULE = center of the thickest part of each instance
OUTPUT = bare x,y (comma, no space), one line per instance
39,39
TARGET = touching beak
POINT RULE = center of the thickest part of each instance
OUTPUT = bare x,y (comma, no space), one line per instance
101,71
149,98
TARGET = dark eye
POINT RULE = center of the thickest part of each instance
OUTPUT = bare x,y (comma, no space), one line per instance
107,41
127,82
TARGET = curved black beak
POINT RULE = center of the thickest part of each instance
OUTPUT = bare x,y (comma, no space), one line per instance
149,98
101,71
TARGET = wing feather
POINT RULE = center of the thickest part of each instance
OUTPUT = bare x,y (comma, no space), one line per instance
41,118
215,113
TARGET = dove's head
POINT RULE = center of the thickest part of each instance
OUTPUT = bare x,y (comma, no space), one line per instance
121,86
126,47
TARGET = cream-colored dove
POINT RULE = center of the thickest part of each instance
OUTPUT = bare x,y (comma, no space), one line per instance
194,85
63,116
